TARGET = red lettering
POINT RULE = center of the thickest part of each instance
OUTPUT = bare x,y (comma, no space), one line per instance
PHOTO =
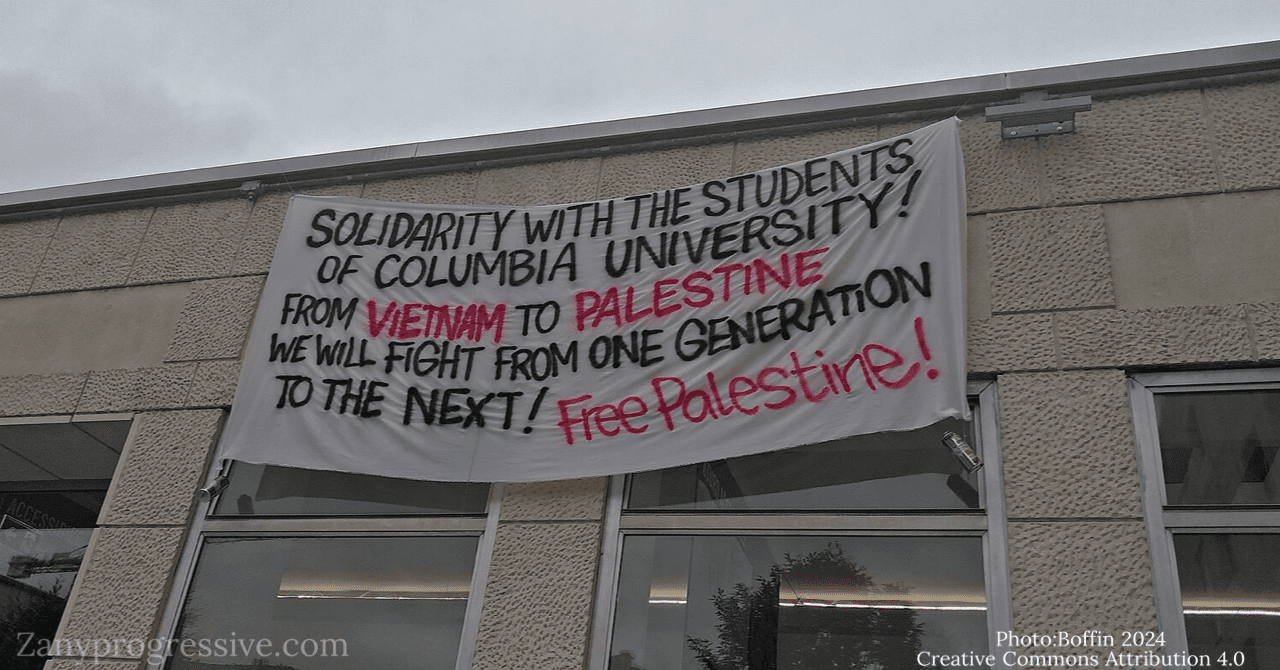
803,267
895,360
376,323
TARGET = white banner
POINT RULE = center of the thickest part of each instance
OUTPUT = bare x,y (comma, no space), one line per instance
780,307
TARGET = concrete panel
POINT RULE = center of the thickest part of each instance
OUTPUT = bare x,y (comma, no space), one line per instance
998,173
538,602
1079,576
123,583
1265,321
214,384
447,189
22,247
1207,250
977,269
1067,443
1015,342
540,184
634,174
163,464
754,155
1152,145
88,330
27,395
259,243
191,241
163,387
92,251
564,500
1120,337
216,318
1049,259
1244,121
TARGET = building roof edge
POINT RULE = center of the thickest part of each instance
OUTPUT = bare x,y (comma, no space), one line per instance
222,180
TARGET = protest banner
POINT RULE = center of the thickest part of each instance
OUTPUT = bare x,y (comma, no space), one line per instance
780,307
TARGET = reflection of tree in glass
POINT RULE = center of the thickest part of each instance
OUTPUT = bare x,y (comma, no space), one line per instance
28,622
756,633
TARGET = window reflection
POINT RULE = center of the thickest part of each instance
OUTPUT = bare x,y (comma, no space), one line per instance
1231,594
379,602
752,602
276,490
1219,448
906,470
53,481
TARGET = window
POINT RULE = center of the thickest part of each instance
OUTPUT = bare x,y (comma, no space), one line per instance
861,552
54,476
1207,451
314,570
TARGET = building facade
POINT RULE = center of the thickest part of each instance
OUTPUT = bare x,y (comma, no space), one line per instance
1123,306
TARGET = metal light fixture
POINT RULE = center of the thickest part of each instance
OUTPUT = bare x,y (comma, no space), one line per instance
1037,115
962,451
216,486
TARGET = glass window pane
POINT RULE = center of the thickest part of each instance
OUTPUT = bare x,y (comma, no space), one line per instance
757,602
1219,448
275,490
53,480
1231,595
316,603
907,470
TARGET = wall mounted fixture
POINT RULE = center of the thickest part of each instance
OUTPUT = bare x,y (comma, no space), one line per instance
1037,115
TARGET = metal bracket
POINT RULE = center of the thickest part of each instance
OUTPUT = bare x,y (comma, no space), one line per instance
251,190
1038,115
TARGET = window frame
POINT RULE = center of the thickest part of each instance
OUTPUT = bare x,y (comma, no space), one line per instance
987,522
204,525
1163,523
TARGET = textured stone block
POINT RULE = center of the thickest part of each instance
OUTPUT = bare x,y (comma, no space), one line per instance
1138,147
540,184
539,597
92,251
123,583
164,463
1067,443
634,174
1049,259
191,241
162,387
1078,576
1201,250
1120,337
977,269
1244,121
28,395
999,173
755,155
886,130
1265,322
265,220
1015,342
564,500
22,248
454,188
214,384
216,319
88,330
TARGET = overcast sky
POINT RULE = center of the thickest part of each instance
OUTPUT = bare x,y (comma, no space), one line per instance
98,90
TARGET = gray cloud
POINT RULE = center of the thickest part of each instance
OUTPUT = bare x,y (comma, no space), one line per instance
94,91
